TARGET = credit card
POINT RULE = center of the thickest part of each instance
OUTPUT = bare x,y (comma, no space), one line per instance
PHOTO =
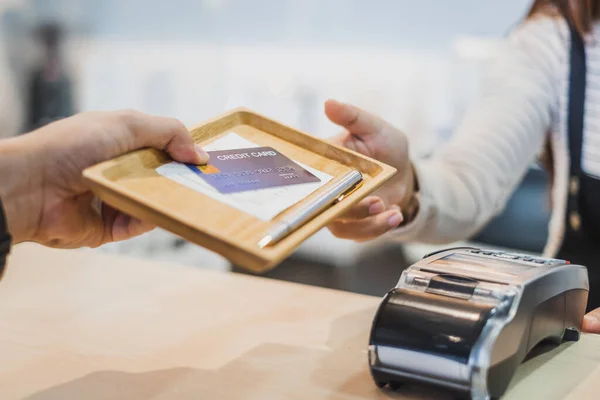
241,170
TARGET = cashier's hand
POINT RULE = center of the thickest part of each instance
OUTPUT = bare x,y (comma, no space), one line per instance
591,322
44,196
372,136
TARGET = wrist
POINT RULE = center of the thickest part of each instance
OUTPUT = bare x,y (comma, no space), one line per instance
409,203
20,190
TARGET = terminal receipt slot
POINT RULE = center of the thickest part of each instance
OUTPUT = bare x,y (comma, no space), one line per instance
464,319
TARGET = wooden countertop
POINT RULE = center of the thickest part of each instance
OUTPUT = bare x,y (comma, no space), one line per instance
81,325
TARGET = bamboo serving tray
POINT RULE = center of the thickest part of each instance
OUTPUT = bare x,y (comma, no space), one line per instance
131,184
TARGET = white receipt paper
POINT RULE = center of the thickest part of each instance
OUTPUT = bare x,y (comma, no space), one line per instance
264,204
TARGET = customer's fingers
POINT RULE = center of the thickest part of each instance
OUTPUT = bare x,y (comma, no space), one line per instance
125,227
367,228
118,226
591,322
166,134
367,207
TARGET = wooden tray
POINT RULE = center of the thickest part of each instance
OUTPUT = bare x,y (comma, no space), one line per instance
131,184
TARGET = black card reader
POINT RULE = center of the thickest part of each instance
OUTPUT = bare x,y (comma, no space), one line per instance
464,319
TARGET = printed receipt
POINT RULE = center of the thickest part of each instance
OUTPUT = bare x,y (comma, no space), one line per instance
264,204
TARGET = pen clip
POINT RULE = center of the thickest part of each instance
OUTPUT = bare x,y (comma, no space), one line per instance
349,192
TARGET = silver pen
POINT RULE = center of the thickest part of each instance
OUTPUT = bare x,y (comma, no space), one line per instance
306,213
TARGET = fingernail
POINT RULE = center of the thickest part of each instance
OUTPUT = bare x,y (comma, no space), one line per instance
592,319
395,220
376,208
203,156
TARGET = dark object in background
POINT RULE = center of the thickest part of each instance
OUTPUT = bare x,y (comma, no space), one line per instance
371,273
523,225
50,87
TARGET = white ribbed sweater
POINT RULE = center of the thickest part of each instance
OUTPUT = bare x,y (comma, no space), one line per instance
469,180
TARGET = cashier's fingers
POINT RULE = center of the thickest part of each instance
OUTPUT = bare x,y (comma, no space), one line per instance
365,208
162,133
356,120
345,139
367,228
591,322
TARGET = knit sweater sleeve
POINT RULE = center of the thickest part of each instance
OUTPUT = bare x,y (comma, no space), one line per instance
469,180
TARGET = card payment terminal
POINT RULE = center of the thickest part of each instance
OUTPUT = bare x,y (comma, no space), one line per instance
465,318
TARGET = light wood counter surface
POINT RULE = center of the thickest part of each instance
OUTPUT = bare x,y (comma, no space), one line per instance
81,325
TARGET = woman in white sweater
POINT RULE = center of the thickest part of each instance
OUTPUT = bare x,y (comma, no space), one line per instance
544,78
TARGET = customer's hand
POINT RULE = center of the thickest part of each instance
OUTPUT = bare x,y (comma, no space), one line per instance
591,322
44,196
372,136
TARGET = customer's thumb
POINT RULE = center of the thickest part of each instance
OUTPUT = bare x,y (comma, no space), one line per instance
165,134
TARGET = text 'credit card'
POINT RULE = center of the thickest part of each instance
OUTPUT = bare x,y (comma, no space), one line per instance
240,170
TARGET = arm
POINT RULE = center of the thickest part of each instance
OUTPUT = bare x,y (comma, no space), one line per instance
5,240
42,190
468,181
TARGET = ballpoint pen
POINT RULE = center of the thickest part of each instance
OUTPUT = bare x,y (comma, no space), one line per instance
289,224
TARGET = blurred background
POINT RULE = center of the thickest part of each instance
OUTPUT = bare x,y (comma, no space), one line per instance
418,64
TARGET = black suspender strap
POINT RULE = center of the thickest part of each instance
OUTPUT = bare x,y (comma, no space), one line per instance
5,240
575,124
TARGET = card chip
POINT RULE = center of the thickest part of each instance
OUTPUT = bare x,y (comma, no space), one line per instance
209,169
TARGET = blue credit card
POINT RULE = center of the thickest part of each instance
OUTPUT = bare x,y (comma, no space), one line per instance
241,170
